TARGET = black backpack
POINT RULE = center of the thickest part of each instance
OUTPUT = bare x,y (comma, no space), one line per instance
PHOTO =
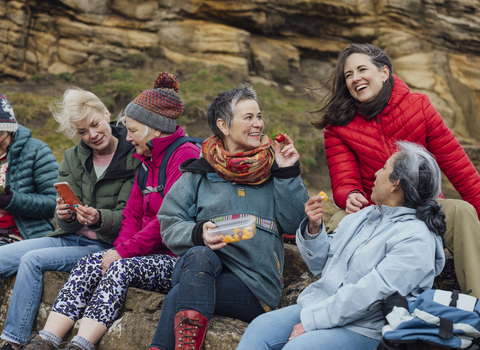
162,172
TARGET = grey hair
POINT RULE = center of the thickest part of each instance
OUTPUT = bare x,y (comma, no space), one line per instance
224,104
420,180
121,121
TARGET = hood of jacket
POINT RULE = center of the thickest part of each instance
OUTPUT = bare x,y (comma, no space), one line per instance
22,135
399,214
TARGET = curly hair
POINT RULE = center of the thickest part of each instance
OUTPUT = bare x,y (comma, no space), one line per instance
223,106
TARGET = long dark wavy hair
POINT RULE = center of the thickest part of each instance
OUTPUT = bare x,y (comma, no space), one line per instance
339,105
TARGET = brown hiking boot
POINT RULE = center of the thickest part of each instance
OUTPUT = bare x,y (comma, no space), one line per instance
35,342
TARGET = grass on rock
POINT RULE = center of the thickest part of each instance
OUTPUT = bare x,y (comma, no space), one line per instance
199,84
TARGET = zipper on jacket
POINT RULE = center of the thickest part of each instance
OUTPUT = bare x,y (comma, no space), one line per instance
383,136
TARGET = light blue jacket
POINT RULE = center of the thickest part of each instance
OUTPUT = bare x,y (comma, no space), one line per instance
371,255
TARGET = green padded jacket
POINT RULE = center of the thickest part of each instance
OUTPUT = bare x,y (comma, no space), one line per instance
108,194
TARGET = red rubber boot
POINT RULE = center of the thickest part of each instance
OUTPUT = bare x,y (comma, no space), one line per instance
190,330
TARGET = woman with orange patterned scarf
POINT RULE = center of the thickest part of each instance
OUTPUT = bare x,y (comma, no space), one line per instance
242,172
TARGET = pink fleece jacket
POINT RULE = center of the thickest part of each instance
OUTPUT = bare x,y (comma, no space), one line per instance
140,232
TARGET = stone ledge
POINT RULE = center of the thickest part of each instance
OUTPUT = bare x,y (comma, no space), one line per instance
138,319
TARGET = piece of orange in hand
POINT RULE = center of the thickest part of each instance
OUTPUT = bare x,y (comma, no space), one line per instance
324,195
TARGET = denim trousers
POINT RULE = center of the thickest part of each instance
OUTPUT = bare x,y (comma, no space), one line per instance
201,283
29,259
272,330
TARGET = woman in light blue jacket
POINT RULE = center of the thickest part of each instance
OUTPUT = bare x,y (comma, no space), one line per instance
394,246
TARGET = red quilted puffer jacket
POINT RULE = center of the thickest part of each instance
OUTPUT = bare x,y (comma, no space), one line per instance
356,151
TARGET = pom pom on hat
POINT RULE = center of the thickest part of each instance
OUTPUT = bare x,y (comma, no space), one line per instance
158,107
166,80
7,117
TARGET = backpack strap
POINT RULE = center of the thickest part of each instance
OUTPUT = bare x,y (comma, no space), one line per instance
454,297
142,178
445,330
162,171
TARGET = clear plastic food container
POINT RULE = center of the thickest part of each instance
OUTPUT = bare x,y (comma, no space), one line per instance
234,230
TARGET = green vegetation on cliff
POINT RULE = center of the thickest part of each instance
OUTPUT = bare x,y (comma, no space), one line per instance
199,84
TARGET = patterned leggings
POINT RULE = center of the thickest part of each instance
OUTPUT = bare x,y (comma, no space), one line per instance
100,298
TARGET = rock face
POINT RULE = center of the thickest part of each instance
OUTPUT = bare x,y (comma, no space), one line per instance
434,44
136,324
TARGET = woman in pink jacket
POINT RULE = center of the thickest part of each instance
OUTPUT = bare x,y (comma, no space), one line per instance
98,284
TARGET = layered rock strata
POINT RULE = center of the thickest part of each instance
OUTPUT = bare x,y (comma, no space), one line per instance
434,44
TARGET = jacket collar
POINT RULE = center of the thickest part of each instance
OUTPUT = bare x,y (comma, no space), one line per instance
399,91
195,165
159,145
394,214
22,135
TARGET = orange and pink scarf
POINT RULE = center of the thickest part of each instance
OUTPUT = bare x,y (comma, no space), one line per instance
248,168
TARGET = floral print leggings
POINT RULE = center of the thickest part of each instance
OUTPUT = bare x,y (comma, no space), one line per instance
100,298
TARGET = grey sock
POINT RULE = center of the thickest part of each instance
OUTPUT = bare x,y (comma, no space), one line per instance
83,343
46,335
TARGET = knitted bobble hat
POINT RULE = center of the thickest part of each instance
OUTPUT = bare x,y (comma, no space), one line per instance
158,107
7,117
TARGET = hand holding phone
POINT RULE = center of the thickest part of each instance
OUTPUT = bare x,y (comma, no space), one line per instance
68,196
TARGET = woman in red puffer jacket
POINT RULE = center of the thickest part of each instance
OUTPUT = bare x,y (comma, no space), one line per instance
366,112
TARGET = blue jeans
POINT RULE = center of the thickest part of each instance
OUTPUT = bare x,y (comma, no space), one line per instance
29,259
272,330
201,283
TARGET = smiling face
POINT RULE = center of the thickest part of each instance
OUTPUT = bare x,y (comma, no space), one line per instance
364,80
386,192
135,131
95,131
246,130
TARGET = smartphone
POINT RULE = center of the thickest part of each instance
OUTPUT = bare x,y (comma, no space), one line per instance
67,194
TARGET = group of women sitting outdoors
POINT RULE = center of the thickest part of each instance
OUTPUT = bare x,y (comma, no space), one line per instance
382,144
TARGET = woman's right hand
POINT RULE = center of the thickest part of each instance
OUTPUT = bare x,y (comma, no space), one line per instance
314,211
355,202
63,210
213,243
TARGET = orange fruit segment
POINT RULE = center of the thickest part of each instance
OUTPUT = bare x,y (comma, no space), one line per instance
324,195
238,235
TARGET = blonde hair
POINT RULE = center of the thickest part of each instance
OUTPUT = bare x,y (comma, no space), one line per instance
76,105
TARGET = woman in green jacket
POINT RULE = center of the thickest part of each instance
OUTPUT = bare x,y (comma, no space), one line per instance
101,172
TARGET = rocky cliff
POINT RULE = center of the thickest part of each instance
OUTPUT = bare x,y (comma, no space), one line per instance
434,44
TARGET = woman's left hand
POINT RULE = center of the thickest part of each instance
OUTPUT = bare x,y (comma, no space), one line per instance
288,155
213,243
109,257
297,330
87,215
